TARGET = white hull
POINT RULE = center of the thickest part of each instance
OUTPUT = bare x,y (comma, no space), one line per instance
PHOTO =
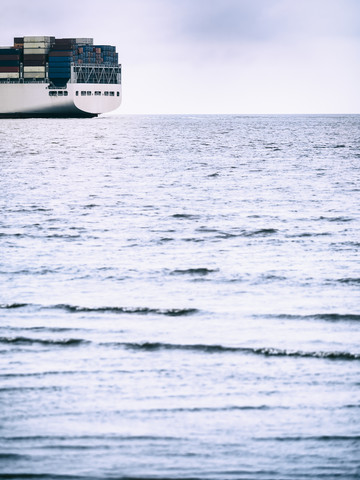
76,100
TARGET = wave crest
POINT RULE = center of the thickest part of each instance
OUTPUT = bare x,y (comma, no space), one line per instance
265,351
9,306
63,342
171,312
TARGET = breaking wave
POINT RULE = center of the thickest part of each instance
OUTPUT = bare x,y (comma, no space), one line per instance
269,352
331,317
193,271
202,348
171,312
40,341
350,281
12,305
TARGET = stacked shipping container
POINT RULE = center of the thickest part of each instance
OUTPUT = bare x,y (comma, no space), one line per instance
39,58
60,60
9,62
77,51
35,51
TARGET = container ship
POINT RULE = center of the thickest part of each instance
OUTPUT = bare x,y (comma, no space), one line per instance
58,77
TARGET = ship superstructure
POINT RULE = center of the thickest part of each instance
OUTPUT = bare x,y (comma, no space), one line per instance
58,77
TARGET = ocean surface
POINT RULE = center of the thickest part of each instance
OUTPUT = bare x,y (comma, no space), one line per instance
180,298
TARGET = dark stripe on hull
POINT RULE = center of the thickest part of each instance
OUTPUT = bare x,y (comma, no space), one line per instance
68,110
78,114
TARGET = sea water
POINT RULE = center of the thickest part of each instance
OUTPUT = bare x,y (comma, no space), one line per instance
179,298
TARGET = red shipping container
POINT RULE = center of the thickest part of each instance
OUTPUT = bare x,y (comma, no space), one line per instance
9,69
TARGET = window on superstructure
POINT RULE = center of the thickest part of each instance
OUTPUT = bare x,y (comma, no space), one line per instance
66,94
112,94
97,93
60,93
77,93
118,94
106,93
83,93
88,93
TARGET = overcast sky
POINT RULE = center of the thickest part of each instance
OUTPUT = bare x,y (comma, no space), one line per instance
214,56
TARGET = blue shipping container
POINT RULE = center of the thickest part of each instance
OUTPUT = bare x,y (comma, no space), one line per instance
62,70
60,59
9,63
60,65
59,75
10,51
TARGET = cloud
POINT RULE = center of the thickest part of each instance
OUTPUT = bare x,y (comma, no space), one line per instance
264,20
225,20
168,23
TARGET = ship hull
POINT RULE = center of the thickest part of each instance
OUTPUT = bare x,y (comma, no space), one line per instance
76,100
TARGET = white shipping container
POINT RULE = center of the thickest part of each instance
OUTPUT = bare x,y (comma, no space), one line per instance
9,75
34,75
37,39
34,69
84,41
36,45
35,51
